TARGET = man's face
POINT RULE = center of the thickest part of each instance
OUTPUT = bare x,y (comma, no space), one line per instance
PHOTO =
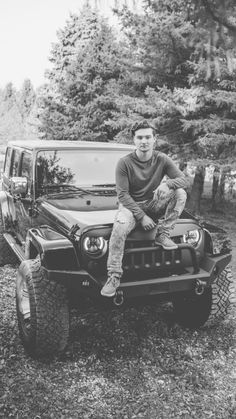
144,139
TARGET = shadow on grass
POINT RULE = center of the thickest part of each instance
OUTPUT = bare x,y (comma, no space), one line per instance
132,333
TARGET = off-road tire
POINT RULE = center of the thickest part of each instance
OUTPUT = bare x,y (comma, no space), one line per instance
213,306
7,256
46,331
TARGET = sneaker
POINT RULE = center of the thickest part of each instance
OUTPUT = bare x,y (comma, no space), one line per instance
110,287
164,241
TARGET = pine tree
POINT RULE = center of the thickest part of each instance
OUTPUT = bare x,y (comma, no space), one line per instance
193,103
26,99
17,114
11,127
158,59
79,96
159,42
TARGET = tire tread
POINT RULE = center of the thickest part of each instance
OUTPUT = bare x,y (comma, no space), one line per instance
49,312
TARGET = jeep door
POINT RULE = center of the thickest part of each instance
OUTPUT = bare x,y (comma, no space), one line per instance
7,204
21,165
24,204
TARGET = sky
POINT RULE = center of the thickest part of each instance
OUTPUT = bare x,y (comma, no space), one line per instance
27,30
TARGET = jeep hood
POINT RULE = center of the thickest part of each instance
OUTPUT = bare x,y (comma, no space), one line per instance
66,218
90,218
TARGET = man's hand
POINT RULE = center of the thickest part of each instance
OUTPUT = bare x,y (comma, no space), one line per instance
161,192
147,223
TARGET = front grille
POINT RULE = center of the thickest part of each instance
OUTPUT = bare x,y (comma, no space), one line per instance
155,261
151,258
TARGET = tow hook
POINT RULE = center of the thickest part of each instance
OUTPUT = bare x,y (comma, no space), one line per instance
119,298
199,287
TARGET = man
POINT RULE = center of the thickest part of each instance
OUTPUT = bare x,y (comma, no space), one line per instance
143,199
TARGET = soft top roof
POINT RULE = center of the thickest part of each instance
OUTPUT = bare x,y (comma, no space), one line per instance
51,144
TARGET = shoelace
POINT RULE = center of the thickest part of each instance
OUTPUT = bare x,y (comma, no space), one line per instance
113,280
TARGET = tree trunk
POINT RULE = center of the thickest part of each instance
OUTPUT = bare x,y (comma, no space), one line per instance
223,178
197,189
215,184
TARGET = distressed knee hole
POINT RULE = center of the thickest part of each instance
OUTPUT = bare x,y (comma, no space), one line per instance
121,219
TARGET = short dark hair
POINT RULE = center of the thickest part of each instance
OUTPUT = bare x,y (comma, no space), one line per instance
142,125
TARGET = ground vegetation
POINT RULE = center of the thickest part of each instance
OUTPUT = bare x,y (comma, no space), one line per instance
132,363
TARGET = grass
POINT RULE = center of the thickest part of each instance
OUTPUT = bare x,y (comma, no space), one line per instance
129,363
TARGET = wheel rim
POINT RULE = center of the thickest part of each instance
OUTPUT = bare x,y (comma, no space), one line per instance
23,302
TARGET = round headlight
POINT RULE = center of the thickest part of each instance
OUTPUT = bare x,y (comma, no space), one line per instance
192,237
95,246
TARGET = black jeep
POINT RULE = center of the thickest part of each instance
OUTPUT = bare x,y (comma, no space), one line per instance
58,202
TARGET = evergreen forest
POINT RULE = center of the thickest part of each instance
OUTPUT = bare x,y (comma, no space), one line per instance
172,63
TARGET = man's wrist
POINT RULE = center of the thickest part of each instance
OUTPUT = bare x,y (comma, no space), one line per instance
140,216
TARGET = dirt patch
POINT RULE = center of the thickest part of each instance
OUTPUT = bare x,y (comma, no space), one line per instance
130,363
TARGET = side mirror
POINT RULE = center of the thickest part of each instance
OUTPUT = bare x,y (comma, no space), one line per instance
19,185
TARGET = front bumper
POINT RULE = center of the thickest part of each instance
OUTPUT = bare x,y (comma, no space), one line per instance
210,267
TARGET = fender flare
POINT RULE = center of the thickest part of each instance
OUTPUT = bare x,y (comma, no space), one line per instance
217,241
56,251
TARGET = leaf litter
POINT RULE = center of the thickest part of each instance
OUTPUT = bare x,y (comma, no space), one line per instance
129,363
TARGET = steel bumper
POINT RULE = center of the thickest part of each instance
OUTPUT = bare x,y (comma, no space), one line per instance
209,268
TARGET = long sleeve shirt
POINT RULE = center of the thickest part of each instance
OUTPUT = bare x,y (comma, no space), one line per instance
136,180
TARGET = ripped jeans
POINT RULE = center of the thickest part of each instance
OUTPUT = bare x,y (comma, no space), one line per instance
170,207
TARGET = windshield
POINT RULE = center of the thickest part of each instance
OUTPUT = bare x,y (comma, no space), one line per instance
77,167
